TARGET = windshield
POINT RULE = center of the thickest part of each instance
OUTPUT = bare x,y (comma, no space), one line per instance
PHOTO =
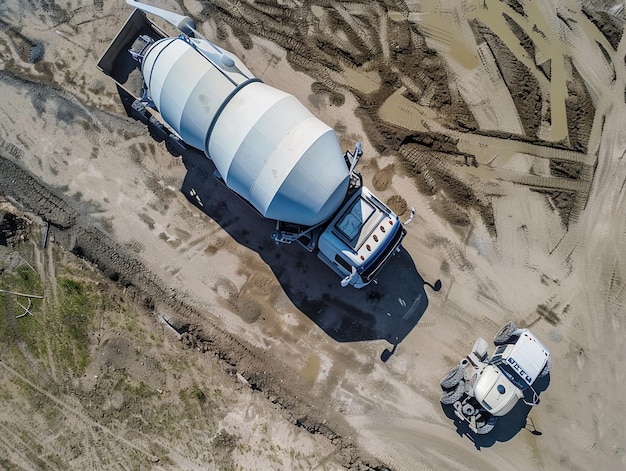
496,359
351,224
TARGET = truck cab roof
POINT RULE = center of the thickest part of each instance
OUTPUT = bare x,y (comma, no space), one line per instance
512,369
523,361
363,235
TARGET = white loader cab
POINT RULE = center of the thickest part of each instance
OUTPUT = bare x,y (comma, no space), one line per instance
482,388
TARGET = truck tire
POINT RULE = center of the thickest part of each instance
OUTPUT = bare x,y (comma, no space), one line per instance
157,130
453,377
174,146
546,367
506,334
450,397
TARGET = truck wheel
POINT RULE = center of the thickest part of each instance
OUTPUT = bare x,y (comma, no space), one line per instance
453,377
173,147
505,334
546,367
450,397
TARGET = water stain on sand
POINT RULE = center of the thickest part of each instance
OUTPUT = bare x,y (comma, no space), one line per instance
311,369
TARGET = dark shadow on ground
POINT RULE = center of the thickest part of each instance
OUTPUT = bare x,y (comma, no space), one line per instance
506,427
387,310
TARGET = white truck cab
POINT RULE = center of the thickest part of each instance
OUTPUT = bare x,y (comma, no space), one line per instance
360,238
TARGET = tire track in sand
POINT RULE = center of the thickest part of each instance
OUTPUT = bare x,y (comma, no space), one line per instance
72,410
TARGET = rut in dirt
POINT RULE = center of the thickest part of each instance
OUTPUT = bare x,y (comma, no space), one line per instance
78,234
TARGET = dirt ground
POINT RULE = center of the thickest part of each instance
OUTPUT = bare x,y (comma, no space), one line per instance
210,348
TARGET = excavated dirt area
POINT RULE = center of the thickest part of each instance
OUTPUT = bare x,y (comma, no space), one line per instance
156,326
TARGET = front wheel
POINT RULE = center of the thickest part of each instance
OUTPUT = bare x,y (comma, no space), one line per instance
506,334
450,397
453,377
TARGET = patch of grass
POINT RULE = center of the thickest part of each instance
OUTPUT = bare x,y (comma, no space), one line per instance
5,395
142,390
199,395
59,329
7,464
132,324
223,446
22,280
5,330
194,397
77,307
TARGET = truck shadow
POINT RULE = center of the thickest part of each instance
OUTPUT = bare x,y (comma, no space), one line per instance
506,427
387,310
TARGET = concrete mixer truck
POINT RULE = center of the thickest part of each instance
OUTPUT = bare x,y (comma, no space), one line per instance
266,146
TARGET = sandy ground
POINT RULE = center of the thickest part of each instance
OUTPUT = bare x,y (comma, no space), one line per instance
499,121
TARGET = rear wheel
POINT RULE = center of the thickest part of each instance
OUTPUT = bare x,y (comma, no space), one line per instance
175,146
487,426
506,334
453,377
450,397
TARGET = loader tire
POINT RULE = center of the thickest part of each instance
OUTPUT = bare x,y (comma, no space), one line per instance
453,377
468,410
483,428
450,397
505,334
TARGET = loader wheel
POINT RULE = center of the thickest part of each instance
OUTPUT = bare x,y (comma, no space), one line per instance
453,377
481,349
450,397
485,427
546,367
468,410
505,334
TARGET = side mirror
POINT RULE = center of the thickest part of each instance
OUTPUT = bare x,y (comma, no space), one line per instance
348,279
408,221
